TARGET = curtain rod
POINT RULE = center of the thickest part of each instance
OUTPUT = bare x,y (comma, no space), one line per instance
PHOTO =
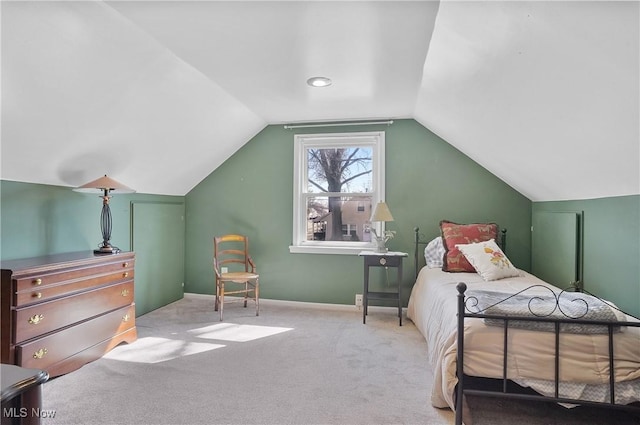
338,124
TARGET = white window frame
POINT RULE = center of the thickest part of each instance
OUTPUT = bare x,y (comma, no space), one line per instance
302,142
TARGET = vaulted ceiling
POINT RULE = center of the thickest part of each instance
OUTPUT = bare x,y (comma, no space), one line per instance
544,94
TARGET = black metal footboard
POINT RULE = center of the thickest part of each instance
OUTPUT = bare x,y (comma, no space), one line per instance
556,324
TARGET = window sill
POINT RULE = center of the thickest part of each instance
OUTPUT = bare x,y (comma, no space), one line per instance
336,250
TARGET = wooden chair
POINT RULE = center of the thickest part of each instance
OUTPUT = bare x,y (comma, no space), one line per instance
234,267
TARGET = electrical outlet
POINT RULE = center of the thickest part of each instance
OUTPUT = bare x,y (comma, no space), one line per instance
224,269
358,300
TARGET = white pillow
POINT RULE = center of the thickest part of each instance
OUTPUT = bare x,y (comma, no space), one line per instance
434,253
488,260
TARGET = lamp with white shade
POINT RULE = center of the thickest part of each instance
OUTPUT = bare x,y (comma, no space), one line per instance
381,213
105,186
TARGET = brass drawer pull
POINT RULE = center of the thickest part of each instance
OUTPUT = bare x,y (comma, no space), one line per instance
125,264
37,282
124,292
125,274
37,295
35,319
125,318
40,353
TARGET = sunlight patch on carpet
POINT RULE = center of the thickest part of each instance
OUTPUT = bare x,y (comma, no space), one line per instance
236,333
156,350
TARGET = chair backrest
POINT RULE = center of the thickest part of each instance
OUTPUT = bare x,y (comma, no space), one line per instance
230,250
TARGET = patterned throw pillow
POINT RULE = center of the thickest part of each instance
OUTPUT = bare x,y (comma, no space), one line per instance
434,252
488,260
454,233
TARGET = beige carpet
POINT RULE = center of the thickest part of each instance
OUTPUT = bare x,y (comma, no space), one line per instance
294,364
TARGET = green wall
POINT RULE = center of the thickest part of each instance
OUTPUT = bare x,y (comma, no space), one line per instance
40,219
426,180
611,247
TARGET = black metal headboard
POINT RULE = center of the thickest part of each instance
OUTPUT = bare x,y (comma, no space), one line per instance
420,239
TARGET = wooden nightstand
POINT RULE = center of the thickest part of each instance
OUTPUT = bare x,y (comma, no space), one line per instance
386,260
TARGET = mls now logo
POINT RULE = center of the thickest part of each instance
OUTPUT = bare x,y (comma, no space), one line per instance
23,412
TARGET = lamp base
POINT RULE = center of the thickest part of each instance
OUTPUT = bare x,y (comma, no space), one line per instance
107,250
380,245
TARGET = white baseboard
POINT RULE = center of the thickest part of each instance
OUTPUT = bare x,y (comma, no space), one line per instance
300,304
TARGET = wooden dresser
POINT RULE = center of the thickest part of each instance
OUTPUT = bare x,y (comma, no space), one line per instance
59,312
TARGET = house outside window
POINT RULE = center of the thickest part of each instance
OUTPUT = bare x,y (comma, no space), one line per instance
338,179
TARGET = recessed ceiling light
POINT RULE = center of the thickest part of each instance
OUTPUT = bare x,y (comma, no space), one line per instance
319,81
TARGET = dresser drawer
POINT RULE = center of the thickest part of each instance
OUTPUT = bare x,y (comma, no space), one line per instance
48,291
40,281
42,318
55,347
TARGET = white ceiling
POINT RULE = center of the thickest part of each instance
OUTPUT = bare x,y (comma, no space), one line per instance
157,94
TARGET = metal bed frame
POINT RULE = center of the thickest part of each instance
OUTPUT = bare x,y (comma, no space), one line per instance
465,386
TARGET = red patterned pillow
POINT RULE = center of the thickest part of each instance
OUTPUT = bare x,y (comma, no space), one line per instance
454,233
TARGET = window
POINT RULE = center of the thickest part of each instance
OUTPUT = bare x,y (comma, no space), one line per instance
338,180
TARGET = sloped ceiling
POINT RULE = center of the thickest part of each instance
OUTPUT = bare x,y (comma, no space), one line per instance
546,95
157,94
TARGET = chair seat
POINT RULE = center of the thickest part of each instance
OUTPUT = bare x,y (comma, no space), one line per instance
238,276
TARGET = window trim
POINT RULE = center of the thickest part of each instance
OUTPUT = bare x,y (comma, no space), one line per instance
374,139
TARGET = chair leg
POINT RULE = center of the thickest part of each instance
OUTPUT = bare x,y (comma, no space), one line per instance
246,293
221,299
257,294
215,308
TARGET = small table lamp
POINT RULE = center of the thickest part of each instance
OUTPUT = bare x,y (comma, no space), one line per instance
381,214
105,185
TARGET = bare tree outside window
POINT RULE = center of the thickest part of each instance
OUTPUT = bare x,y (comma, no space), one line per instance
337,171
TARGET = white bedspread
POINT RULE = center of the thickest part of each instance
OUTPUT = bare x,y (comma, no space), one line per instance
584,366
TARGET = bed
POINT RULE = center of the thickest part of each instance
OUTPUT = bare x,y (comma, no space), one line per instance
561,347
